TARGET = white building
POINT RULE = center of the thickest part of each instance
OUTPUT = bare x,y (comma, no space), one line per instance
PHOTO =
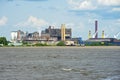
17,36
14,35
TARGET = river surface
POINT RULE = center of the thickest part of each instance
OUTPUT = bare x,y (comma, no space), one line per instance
60,63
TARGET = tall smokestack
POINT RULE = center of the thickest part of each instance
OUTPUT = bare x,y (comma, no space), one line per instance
96,29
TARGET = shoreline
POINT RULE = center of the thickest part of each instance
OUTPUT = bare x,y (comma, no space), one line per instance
89,47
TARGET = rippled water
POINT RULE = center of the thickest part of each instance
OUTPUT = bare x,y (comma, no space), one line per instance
60,63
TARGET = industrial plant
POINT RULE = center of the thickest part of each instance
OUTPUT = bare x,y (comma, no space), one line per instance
104,40
52,35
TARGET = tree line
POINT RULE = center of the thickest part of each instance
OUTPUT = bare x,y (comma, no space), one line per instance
3,41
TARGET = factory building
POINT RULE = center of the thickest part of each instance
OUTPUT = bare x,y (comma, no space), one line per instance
50,34
60,34
17,36
32,36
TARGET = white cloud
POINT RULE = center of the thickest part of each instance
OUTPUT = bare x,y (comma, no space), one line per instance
34,22
93,4
118,21
70,25
109,2
84,5
72,2
3,21
116,9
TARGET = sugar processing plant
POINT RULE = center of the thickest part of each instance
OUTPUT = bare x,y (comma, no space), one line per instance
49,35
53,35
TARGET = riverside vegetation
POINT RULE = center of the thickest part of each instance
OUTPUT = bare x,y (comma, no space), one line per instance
4,42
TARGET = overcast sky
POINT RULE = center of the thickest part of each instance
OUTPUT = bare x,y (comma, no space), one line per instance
80,15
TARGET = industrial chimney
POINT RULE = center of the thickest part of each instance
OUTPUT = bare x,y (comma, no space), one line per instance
96,29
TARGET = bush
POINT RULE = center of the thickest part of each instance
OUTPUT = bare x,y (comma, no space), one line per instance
61,43
24,43
40,44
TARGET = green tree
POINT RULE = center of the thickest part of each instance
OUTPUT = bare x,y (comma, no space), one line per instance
3,41
61,43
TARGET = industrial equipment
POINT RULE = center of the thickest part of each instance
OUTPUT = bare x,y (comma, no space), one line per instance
116,36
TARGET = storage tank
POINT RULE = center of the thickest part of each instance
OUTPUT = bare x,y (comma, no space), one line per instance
14,36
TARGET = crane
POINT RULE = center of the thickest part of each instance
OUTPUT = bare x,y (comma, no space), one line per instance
115,36
93,36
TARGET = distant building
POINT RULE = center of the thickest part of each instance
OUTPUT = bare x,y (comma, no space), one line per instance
17,36
78,40
106,41
32,36
20,35
50,34
56,33
13,36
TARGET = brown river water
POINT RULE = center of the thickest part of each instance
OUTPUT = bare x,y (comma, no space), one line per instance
60,63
